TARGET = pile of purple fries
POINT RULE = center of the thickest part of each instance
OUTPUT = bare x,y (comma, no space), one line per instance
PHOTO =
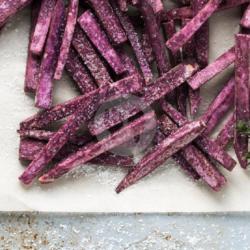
110,55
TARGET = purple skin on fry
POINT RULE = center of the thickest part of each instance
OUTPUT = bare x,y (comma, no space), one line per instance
48,65
214,68
42,27
198,161
162,86
90,58
79,73
109,20
184,35
219,106
125,86
67,38
245,21
92,28
29,148
10,8
135,43
177,13
226,135
203,143
161,152
242,95
125,134
83,112
155,37
33,62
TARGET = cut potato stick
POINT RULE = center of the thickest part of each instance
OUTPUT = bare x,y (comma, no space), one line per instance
227,133
201,38
42,27
90,58
198,161
245,21
125,86
162,86
155,37
147,48
67,38
123,5
177,13
109,20
10,8
242,98
184,35
33,62
161,152
48,65
131,69
219,106
135,43
98,37
28,150
125,134
79,73
214,68
204,143
82,113
157,5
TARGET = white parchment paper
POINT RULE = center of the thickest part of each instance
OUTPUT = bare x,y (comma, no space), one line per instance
166,190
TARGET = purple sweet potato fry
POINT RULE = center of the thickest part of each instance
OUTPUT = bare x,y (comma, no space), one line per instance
67,38
242,98
184,35
201,38
155,37
135,43
245,21
48,65
45,135
33,62
204,143
198,161
166,127
194,100
83,112
123,87
79,73
140,125
109,20
219,106
214,68
10,8
90,58
227,133
123,5
42,26
147,48
176,14
161,152
28,150
92,28
157,5
162,86
131,69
